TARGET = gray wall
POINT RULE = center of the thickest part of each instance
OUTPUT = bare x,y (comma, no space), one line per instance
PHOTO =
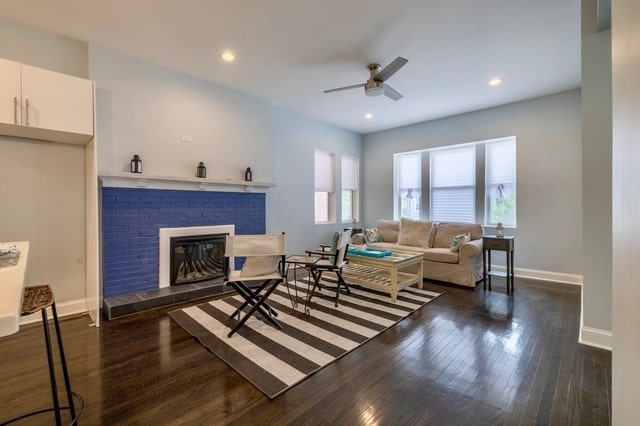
549,203
42,183
145,109
626,210
290,204
596,179
42,49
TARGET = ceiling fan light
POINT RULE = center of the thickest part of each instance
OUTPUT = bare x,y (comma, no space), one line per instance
374,91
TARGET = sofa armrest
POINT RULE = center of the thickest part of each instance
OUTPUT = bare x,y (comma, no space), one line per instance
469,250
358,238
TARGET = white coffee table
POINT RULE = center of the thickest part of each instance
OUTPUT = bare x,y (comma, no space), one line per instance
389,274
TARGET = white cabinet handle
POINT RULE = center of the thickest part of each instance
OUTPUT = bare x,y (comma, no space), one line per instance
27,109
15,110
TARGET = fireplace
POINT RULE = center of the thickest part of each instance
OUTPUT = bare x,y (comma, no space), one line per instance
196,258
192,254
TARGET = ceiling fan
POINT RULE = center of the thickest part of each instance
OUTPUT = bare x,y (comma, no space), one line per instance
376,86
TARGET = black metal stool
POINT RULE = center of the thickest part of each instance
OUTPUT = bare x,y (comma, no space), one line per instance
39,298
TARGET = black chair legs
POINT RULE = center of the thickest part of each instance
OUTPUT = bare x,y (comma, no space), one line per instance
39,298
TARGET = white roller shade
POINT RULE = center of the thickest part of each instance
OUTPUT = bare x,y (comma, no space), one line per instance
453,176
501,168
350,173
324,171
409,171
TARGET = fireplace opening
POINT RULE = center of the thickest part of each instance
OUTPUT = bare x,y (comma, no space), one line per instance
196,258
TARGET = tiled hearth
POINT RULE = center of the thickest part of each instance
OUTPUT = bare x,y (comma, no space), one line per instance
118,306
131,220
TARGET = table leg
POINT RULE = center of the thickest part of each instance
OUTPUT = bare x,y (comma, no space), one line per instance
484,269
489,267
512,272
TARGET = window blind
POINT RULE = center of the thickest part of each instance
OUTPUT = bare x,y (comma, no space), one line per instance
324,171
409,171
453,173
350,173
501,168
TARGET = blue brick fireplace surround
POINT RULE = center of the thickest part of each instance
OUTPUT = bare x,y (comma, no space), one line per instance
131,219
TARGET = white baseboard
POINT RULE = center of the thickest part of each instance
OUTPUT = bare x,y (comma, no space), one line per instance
72,307
537,274
602,339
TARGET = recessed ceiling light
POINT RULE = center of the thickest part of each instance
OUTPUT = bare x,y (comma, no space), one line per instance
368,116
494,81
228,56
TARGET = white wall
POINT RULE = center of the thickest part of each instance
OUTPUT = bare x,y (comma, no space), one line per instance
549,202
290,205
145,109
626,210
42,184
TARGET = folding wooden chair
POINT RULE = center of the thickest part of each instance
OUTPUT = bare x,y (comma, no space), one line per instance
332,259
264,263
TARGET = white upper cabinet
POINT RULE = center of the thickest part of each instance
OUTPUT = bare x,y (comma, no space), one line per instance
10,112
42,104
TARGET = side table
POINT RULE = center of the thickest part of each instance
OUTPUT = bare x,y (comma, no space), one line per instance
299,261
506,244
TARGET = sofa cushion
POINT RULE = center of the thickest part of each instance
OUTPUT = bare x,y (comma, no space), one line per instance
414,233
389,230
443,255
458,241
372,235
445,232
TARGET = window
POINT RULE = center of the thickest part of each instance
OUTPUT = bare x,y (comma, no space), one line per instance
409,184
500,183
350,178
474,182
453,180
324,186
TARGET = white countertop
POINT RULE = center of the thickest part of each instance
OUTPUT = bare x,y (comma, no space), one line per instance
12,289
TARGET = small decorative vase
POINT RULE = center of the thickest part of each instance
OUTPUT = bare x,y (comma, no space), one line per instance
499,230
248,175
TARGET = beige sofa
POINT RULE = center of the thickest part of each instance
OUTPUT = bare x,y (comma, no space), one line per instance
434,241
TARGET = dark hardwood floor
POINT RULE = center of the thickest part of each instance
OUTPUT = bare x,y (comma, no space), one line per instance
468,358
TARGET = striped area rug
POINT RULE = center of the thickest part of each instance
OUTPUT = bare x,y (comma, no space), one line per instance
275,360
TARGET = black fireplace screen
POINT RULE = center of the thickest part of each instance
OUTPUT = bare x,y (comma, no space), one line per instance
196,258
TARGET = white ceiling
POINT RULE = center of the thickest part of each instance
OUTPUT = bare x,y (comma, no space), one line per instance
289,51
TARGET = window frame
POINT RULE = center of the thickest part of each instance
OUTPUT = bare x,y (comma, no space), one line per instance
482,199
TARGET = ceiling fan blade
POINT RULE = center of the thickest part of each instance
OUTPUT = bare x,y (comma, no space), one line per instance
390,92
355,86
391,69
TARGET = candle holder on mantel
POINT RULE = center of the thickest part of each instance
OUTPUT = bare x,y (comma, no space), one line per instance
136,164
201,171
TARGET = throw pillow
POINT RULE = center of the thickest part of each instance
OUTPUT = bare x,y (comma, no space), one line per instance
414,233
459,240
389,230
259,265
372,235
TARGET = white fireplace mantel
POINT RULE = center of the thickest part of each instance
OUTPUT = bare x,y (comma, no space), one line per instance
143,180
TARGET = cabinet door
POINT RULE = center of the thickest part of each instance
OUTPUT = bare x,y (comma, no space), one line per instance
10,92
55,101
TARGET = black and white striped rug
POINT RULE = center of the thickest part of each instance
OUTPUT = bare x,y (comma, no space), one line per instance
275,360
